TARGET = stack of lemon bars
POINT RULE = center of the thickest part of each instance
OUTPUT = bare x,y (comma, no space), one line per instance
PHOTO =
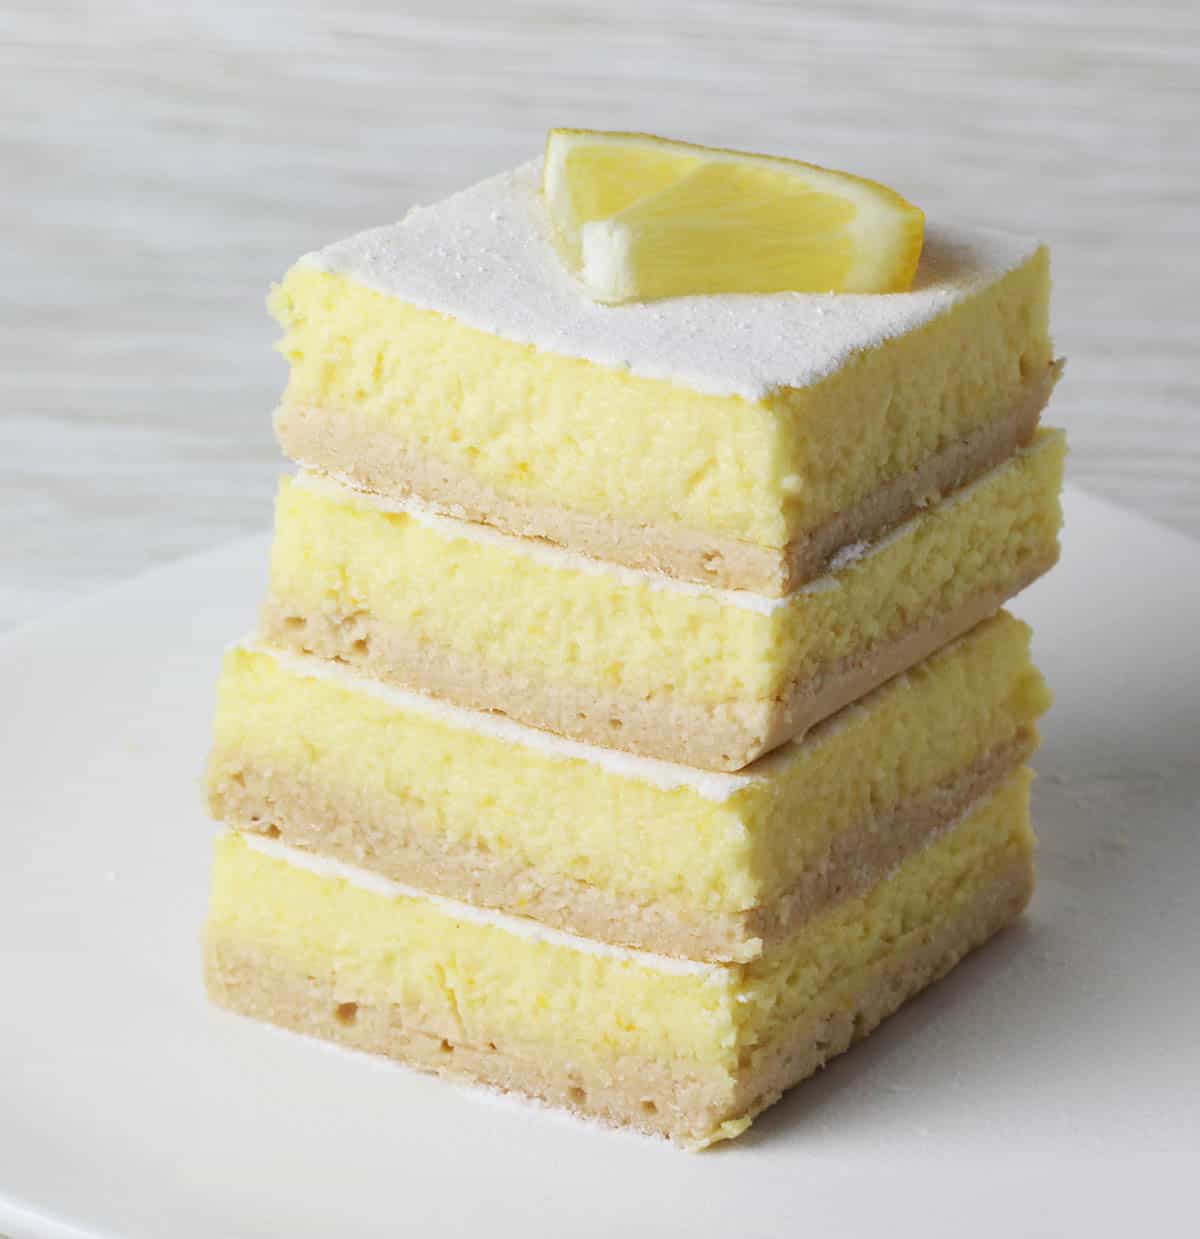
632,723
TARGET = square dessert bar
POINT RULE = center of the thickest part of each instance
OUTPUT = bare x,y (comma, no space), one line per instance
635,660
621,849
736,441
674,1047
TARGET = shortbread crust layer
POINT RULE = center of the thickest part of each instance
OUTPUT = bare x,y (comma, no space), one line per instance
619,849
358,451
633,661
692,1055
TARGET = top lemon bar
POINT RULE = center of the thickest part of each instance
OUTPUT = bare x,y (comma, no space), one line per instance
738,441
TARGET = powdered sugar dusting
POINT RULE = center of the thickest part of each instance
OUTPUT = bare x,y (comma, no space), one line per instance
485,257
851,553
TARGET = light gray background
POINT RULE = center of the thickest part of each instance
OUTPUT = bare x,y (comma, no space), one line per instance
162,163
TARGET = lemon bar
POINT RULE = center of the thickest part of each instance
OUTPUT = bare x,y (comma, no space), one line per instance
738,441
688,1050
622,849
636,660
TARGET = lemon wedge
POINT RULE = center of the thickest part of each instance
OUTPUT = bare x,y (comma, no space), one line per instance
639,218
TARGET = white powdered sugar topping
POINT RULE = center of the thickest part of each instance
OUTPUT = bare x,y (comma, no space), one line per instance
485,256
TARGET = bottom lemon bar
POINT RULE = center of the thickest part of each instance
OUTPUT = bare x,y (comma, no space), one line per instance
689,1050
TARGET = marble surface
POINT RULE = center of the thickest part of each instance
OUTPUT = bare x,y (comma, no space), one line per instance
163,163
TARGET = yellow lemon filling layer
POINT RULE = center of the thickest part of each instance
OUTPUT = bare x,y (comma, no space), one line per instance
552,430
477,980
702,846
539,615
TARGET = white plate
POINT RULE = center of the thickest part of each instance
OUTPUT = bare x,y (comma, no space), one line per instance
1049,1086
